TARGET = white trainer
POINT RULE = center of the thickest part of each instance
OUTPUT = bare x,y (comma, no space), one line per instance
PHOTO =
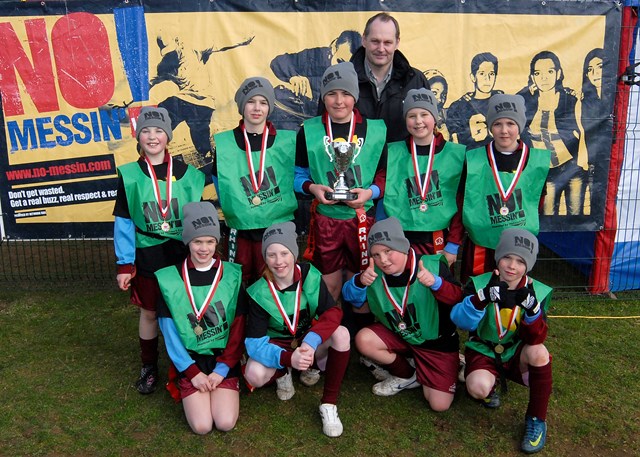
376,370
284,387
310,377
331,425
392,385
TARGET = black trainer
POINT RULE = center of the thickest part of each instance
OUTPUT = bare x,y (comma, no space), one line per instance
148,380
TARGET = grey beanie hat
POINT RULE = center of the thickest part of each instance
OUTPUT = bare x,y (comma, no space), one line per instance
420,98
519,242
150,116
255,85
509,106
199,219
283,233
340,76
388,232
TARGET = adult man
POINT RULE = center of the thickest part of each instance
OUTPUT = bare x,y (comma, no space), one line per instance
466,116
384,75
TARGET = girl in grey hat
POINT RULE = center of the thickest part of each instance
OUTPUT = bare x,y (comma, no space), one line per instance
295,323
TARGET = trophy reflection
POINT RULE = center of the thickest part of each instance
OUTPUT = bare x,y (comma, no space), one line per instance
342,153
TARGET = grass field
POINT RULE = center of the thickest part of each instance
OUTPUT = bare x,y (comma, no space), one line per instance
68,356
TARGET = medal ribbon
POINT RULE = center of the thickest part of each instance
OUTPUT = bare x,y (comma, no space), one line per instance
423,186
405,295
291,325
503,331
212,290
352,128
255,184
164,211
494,169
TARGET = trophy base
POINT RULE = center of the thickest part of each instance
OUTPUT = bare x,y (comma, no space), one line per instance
342,197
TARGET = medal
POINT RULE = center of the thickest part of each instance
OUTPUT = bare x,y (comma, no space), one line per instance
402,326
256,182
499,349
256,200
292,324
423,187
294,344
506,195
405,296
164,210
199,312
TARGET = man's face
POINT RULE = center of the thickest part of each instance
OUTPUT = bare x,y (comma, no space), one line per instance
485,77
380,44
545,75
341,53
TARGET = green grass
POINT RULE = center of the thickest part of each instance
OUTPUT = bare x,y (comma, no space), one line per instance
68,357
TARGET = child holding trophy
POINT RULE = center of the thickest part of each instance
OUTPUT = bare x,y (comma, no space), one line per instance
340,147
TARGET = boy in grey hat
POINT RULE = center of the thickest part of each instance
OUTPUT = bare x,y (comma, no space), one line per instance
337,239
253,175
393,285
504,186
505,314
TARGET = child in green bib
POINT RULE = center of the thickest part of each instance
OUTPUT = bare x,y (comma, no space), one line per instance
148,226
503,185
202,317
253,174
505,313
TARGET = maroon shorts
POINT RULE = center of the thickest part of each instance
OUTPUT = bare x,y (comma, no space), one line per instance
434,369
145,292
476,361
249,255
337,245
186,388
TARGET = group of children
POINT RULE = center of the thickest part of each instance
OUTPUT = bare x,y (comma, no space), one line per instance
380,278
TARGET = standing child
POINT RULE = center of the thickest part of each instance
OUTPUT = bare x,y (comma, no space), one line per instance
294,323
504,185
423,174
202,318
411,296
504,311
338,230
254,169
148,228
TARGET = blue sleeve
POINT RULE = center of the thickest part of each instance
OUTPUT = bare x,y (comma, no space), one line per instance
222,369
438,284
124,241
176,350
262,351
465,315
214,180
376,191
452,248
312,339
301,175
354,294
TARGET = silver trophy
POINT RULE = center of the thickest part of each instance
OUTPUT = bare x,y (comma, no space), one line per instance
342,154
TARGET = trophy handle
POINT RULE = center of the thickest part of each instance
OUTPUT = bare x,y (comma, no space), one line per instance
359,149
327,147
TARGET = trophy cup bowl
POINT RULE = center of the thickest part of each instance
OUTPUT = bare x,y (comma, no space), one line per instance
341,154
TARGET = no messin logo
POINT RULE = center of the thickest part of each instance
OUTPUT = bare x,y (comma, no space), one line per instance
275,231
506,107
423,97
524,243
251,85
150,115
202,222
